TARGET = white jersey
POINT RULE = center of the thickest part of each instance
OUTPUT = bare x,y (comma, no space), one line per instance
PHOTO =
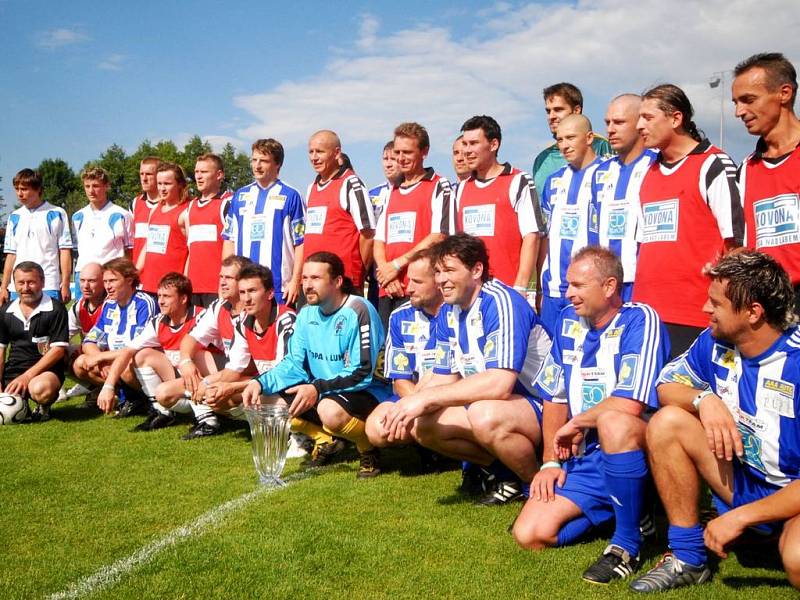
39,235
101,235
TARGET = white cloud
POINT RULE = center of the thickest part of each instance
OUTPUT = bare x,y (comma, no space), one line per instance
113,62
60,37
440,76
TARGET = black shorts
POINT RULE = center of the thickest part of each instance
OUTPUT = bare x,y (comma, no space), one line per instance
356,404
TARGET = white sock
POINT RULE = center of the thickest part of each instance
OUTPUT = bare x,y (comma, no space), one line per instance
150,381
204,414
183,406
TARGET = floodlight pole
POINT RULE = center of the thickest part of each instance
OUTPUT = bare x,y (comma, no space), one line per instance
717,79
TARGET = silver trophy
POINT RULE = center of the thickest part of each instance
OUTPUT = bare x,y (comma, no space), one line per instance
269,428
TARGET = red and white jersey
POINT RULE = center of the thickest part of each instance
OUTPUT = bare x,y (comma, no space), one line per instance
141,207
412,213
336,213
214,328
205,223
82,318
166,249
501,211
770,189
158,333
265,349
688,209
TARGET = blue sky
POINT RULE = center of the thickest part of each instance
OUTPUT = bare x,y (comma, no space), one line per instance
77,77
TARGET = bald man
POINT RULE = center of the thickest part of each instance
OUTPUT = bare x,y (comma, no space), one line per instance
459,162
339,215
615,189
566,199
83,315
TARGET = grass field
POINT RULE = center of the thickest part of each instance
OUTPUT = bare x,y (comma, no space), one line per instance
91,508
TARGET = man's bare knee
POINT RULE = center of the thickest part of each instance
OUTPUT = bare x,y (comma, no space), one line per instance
332,415
531,534
664,425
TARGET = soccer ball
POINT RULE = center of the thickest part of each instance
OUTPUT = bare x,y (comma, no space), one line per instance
13,409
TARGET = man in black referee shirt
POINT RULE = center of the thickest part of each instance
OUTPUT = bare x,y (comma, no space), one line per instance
36,327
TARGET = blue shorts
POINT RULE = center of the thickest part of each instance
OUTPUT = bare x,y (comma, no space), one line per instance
54,294
392,398
746,489
536,405
551,308
586,487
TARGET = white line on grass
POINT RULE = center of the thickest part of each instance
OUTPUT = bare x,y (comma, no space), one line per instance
111,574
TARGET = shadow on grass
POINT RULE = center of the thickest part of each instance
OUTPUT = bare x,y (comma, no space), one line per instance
739,582
71,413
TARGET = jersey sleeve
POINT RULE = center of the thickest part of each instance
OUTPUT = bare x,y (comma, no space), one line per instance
506,331
644,349
148,336
290,370
230,232
692,368
127,229
525,201
442,213
380,227
720,191
399,364
239,356
62,229
10,241
297,217
145,311
284,328
358,204
4,336
206,330
73,322
550,382
60,334
361,365
546,203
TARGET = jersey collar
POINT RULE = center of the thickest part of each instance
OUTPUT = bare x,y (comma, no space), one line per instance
761,147
45,305
506,171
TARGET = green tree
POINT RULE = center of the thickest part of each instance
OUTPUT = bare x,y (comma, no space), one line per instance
194,147
132,186
58,180
237,168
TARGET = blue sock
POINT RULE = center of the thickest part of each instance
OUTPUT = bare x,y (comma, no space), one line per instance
526,490
572,530
687,544
501,472
626,477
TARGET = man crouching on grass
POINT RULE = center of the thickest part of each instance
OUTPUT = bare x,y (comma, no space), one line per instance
731,416
327,376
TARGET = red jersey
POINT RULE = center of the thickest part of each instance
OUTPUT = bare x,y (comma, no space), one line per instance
688,209
771,195
141,209
336,212
166,246
205,223
81,318
500,211
258,352
215,326
158,333
412,213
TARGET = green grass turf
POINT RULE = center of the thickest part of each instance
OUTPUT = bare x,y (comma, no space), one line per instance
80,492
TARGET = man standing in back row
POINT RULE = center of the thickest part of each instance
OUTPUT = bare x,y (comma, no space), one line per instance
339,215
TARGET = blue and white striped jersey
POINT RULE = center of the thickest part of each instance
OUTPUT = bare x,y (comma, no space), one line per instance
566,201
379,196
410,343
623,359
265,225
615,206
118,325
499,331
762,393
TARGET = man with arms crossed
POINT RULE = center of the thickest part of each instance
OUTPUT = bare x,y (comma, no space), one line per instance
598,383
730,416
764,92
477,405
327,376
35,325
